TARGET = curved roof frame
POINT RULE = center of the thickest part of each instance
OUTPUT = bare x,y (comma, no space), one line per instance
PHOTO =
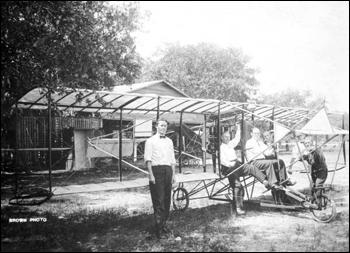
84,100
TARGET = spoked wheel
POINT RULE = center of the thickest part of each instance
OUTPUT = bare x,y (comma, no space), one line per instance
326,211
180,199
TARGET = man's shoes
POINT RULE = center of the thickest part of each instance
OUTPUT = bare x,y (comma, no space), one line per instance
266,184
160,235
240,211
276,187
291,183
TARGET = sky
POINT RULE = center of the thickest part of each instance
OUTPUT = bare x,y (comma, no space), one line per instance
298,45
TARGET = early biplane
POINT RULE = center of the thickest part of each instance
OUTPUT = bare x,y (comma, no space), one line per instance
194,144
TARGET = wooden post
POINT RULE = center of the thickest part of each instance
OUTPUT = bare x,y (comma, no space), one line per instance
158,103
204,144
243,154
49,137
120,144
134,144
272,118
15,157
218,139
180,143
343,137
336,163
242,132
213,155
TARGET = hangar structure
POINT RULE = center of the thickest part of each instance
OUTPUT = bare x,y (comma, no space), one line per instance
141,108
138,104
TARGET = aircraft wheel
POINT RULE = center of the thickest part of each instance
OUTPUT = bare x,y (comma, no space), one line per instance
327,210
180,199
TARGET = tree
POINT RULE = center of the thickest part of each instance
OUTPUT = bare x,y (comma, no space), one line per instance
291,98
302,99
77,44
337,120
204,71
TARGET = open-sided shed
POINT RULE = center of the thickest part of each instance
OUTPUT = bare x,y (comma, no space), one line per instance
207,112
150,107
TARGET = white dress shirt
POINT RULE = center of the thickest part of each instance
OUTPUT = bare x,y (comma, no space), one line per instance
228,155
255,148
159,151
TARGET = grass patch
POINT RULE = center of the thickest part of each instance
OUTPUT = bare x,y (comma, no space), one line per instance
72,227
123,221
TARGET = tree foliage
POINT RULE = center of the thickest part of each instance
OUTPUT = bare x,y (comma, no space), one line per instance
78,44
302,99
292,98
204,71
341,121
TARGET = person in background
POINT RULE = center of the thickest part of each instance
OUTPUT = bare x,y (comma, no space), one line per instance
230,163
319,171
160,161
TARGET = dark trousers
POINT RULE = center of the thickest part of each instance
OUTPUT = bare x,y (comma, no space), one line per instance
161,195
280,170
267,167
245,170
318,179
279,196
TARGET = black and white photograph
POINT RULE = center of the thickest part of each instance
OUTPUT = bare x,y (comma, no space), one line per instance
174,126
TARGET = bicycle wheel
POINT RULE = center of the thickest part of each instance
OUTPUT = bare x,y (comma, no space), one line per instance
180,199
326,211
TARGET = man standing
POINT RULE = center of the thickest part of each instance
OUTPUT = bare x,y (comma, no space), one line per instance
230,164
160,161
319,171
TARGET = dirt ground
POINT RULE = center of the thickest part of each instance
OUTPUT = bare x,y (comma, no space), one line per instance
261,229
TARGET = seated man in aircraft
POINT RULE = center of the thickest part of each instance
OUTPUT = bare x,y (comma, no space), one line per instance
256,151
230,164
280,167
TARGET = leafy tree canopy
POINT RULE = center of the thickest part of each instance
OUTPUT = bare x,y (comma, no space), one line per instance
302,99
78,44
204,71
292,98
